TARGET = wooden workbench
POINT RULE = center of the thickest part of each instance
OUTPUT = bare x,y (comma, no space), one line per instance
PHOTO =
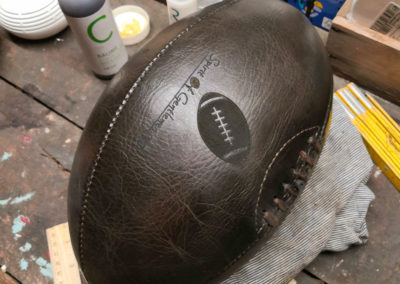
46,95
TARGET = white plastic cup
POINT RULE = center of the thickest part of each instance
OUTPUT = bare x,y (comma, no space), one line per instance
136,12
179,9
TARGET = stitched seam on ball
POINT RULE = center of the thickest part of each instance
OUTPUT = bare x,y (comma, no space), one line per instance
270,166
262,227
114,120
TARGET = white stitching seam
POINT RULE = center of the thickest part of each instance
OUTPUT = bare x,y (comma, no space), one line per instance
115,118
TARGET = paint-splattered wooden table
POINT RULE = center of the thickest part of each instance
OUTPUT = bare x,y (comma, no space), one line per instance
46,95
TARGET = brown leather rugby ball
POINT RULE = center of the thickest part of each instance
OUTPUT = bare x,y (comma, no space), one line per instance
199,146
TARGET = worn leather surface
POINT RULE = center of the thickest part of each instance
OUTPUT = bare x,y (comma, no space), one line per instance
150,202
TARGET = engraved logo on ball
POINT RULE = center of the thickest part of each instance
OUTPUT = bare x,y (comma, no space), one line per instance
223,127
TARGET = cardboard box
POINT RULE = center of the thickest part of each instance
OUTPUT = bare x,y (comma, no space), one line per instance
320,13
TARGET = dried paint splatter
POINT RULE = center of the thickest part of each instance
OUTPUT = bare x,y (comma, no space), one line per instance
5,156
22,198
25,219
47,270
18,224
17,199
23,264
45,267
26,138
4,202
25,248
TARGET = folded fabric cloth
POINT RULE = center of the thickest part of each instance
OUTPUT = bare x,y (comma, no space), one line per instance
350,227
328,215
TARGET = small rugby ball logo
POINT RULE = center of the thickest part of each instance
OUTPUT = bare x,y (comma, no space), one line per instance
223,128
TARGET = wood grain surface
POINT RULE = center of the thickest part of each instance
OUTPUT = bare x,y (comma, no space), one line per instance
36,151
46,95
366,57
54,70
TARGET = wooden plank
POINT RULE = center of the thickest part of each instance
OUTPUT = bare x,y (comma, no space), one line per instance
63,261
54,71
377,261
17,111
365,57
34,143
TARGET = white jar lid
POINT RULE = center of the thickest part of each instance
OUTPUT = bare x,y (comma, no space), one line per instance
133,23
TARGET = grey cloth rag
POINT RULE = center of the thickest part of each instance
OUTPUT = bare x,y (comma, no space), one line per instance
328,215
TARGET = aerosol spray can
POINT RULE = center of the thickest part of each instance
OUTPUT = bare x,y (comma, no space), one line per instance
179,9
94,27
